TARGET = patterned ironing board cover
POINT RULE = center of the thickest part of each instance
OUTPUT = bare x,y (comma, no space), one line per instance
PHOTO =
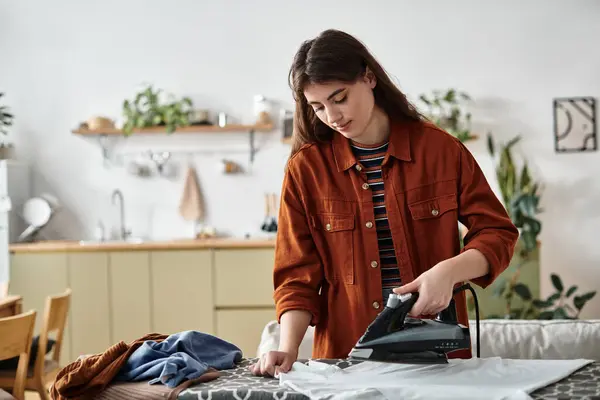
239,383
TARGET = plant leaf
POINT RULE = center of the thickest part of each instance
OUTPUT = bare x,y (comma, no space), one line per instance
513,141
557,282
490,144
546,315
529,240
560,313
541,303
523,291
552,298
571,290
450,96
579,301
499,287
525,178
588,296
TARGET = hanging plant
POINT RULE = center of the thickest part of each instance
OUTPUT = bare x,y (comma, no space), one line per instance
146,110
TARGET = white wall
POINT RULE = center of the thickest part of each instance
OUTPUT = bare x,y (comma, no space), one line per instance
64,61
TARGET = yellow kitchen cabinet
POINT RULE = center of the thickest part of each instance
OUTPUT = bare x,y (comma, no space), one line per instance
130,295
89,311
243,295
244,277
243,327
182,291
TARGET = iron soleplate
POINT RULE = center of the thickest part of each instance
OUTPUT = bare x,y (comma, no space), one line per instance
382,355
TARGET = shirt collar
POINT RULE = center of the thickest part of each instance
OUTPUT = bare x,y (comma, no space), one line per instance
399,146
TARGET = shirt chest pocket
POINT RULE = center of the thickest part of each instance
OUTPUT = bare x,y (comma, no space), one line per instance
433,221
334,237
433,209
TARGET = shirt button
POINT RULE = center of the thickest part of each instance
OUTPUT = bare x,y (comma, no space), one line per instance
374,264
365,186
375,305
434,212
328,227
369,224
358,168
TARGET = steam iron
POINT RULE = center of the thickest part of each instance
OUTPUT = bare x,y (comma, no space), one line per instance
395,337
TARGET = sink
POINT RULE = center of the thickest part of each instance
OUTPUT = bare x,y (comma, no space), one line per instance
111,241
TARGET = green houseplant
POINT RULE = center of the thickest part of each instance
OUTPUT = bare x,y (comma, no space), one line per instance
515,294
556,306
444,109
6,118
146,110
520,194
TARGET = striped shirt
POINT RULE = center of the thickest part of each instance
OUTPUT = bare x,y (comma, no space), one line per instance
371,157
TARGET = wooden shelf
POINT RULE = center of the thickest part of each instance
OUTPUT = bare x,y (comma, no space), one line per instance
187,129
104,135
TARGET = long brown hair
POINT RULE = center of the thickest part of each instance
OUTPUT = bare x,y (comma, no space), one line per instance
337,56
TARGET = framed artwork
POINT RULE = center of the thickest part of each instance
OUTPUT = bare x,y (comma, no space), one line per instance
575,127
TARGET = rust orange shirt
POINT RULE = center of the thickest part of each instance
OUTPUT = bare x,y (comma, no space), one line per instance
327,255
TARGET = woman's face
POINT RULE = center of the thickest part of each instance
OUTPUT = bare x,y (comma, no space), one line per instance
345,107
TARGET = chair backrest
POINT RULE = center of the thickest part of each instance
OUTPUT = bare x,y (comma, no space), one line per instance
55,319
11,305
17,333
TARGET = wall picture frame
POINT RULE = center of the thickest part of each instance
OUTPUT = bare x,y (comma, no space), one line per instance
575,125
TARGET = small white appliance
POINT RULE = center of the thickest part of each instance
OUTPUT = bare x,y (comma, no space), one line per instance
15,189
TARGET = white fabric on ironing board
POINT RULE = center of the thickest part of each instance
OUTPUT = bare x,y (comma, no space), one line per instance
475,378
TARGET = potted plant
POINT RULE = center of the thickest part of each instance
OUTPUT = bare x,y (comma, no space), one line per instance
146,110
520,194
444,109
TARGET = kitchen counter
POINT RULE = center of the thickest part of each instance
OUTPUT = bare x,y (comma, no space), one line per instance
151,286
177,244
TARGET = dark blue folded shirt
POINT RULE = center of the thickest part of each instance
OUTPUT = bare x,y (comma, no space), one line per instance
181,356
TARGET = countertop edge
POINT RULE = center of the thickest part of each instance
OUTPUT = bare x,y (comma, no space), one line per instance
191,244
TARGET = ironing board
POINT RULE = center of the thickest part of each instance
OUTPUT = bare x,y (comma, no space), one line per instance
239,383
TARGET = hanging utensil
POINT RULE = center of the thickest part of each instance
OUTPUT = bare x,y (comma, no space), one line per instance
273,223
37,212
266,222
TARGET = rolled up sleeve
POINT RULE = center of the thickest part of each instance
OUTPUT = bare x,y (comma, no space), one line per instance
490,229
298,270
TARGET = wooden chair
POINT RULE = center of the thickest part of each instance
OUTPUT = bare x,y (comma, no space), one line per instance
11,305
17,333
44,370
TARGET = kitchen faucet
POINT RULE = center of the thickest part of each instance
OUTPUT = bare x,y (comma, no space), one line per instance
124,232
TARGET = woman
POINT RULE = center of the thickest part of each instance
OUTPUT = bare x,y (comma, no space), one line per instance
369,206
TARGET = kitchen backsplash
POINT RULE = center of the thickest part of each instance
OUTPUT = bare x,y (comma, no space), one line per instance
234,204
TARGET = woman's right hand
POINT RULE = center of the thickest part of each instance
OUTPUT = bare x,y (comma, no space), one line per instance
273,362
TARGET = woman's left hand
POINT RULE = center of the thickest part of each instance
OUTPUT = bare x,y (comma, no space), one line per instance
435,288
